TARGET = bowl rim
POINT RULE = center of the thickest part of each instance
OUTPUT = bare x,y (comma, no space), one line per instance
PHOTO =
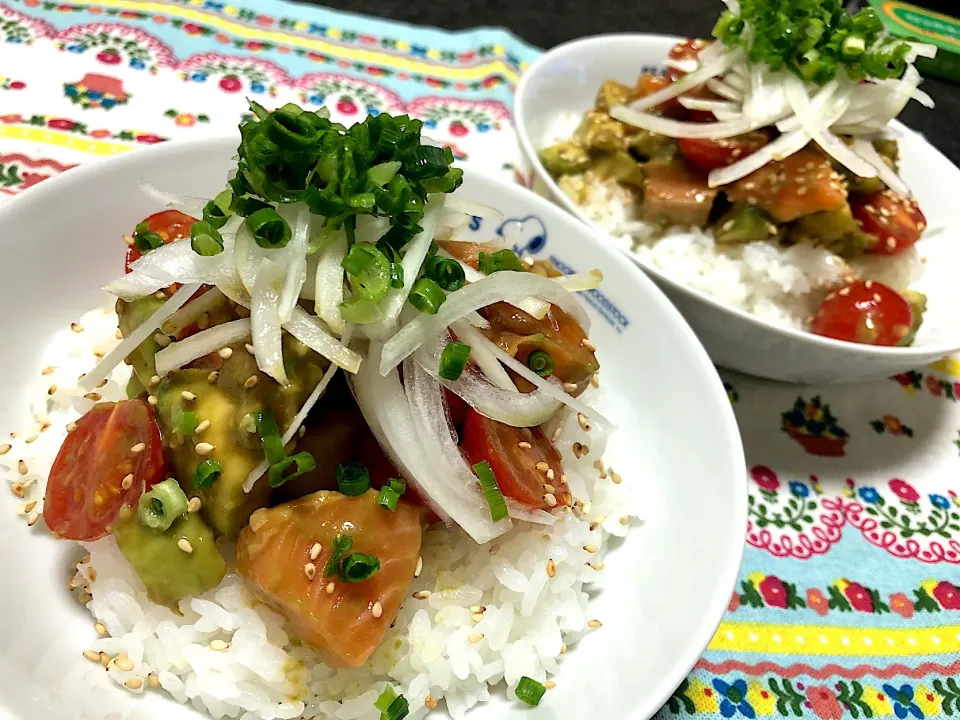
701,631
918,353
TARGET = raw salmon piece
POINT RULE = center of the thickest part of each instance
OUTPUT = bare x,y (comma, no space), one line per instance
345,626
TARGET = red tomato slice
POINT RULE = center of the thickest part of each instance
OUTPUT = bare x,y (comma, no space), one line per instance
456,406
169,224
513,464
895,221
712,154
685,50
864,312
85,492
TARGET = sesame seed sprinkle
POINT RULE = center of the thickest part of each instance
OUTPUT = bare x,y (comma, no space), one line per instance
616,478
868,284
595,380
138,448
475,637
29,506
891,242
194,505
161,340
377,609
570,387
153,681
416,573
251,381
477,617
32,438
430,702
213,376
876,297
330,588
597,566
524,445
152,400
17,489
123,663
588,344
624,520
594,624
76,327
549,684
315,551
590,548
204,448
188,396
95,396
218,645
550,499
104,659
542,466
549,488
556,434
582,421
91,655
52,390
5,448
422,594
477,609
22,467
185,545
551,568
32,518
249,348
310,570
563,649
225,352
48,370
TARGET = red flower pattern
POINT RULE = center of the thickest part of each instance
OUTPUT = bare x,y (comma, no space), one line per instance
192,29
774,592
149,139
904,490
764,477
948,595
230,83
61,124
859,597
734,603
458,129
109,57
824,702
817,602
933,385
901,605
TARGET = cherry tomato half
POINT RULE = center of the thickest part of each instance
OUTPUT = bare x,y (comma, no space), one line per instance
513,464
712,154
864,312
169,224
685,50
895,221
86,489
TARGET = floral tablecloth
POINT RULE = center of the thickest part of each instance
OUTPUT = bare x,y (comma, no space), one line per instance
848,602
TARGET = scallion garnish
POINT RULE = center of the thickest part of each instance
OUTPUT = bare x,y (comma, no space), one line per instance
353,478
268,228
447,273
530,691
360,311
388,498
357,567
270,439
396,275
426,296
453,360
206,473
491,491
144,239
279,472
205,239
161,505
245,206
813,39
214,215
398,709
184,421
488,263
540,362
340,547
388,695
368,271
398,485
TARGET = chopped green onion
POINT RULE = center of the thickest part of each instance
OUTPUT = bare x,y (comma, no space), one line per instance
205,239
245,206
500,260
270,439
853,46
396,275
289,130
214,215
144,239
540,362
278,474
359,311
184,421
388,498
342,544
426,296
398,485
368,271
161,505
388,695
453,360
383,173
357,567
268,228
447,273
353,478
530,691
491,491
398,709
206,473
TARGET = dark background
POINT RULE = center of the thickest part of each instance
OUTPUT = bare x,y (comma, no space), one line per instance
545,23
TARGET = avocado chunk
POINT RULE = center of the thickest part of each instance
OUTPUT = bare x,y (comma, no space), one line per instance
743,223
612,94
645,145
131,315
620,166
599,131
168,572
836,230
918,306
228,404
565,158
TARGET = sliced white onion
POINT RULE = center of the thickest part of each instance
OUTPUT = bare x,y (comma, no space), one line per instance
687,82
181,353
299,418
477,320
927,50
472,208
723,90
484,359
766,97
311,331
370,229
193,311
189,204
738,81
495,288
525,513
296,270
812,123
578,282
708,105
537,308
139,334
157,269
680,129
329,287
265,321
415,254
447,478
684,66
866,150
782,147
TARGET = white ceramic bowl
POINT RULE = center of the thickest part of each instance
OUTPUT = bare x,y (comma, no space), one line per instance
669,582
562,84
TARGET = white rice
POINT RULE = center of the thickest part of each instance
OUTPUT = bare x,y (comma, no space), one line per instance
782,285
435,647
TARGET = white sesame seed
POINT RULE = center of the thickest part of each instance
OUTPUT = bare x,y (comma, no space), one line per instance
624,520
315,551
48,370
202,426
891,242
430,702
542,466
188,396
416,573
5,448
250,381
377,609
249,348
153,681
595,380
477,617
123,663
161,340
475,637
204,448
22,467
588,344
154,381
32,438
477,609
138,448
597,566
727,226
550,499
76,327
590,548
549,684
104,659
524,445
549,488
17,489
616,478
551,568
310,570
570,387
550,474
330,588
194,505
218,645
556,434
213,376
185,545
52,390
422,594
876,297
594,624
563,649
95,396
226,353
802,190
32,518
582,421
152,400
127,481
91,655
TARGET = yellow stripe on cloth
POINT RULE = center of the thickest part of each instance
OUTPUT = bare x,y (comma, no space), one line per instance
833,640
72,141
340,52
